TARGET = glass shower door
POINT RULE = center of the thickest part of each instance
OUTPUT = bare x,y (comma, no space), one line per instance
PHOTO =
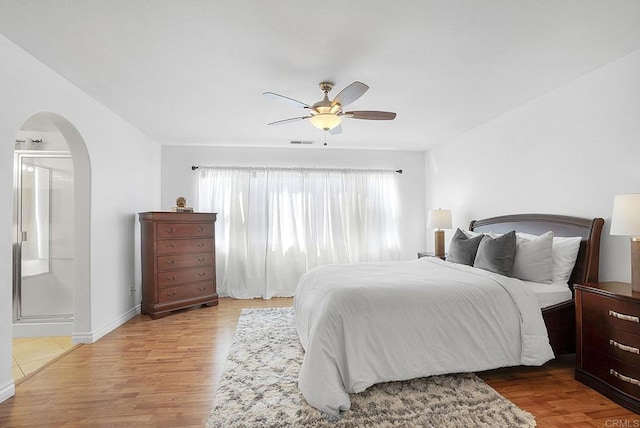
43,279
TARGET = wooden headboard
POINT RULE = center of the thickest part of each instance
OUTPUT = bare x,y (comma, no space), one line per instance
586,267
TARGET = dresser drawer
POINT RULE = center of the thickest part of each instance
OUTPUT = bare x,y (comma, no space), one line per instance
618,344
174,246
179,261
623,376
615,314
186,230
176,277
186,292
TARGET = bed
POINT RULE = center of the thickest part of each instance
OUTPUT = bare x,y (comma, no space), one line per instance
366,323
560,318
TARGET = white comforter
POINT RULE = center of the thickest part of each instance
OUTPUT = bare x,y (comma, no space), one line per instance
367,323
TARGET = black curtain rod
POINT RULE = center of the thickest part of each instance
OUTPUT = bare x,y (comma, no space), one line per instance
193,168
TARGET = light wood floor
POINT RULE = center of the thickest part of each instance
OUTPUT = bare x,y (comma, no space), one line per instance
164,373
29,354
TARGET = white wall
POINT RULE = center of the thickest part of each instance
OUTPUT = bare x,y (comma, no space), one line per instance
568,152
123,178
179,180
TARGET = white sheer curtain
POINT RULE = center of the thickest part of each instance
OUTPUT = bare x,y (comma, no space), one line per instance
275,224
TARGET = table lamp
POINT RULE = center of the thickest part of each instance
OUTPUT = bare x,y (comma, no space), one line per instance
625,220
439,220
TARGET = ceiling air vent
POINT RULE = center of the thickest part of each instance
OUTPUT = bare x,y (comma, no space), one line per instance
300,142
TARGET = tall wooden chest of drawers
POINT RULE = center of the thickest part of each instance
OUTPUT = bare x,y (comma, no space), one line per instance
178,261
608,341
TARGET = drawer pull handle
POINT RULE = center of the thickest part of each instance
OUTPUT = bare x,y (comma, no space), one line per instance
171,230
201,259
202,273
624,347
624,378
171,262
624,316
200,229
171,278
171,294
171,245
200,244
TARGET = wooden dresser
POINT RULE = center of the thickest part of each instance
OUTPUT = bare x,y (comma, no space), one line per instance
178,261
608,341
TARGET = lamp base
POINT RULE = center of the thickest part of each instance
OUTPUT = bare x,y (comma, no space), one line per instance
438,236
635,264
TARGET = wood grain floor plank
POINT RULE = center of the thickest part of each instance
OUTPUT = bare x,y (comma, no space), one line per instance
165,372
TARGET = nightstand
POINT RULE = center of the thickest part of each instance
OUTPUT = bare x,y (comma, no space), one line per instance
608,341
430,254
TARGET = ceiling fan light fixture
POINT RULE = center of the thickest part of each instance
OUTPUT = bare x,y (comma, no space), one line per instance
325,121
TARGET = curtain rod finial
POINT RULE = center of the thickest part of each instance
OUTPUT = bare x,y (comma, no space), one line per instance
399,171
193,167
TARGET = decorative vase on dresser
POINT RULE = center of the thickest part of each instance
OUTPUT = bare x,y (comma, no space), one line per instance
178,261
608,341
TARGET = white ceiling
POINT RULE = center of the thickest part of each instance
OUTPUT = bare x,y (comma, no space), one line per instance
193,71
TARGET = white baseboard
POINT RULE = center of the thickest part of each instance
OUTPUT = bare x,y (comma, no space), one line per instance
42,329
91,337
7,391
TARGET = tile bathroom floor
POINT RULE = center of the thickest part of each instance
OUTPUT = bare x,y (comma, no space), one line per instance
31,353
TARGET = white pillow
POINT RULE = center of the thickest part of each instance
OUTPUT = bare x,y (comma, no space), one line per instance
565,253
533,260
470,233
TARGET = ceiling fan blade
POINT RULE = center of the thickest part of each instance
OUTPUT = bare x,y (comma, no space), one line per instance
350,94
371,115
286,99
335,131
293,119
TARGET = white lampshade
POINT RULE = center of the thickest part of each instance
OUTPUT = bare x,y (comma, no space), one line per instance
625,219
439,219
325,121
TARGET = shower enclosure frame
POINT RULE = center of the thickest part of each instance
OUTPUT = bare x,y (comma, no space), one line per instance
18,317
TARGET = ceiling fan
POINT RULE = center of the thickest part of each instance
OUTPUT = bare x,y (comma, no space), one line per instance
326,114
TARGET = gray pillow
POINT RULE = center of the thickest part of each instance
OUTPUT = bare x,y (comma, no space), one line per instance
462,248
497,255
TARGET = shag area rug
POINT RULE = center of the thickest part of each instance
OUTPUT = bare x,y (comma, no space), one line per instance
259,387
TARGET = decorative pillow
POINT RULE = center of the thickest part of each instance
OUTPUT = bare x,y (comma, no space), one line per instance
462,248
565,253
533,257
497,254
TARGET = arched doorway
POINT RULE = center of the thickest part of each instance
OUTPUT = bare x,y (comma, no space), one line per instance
40,155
